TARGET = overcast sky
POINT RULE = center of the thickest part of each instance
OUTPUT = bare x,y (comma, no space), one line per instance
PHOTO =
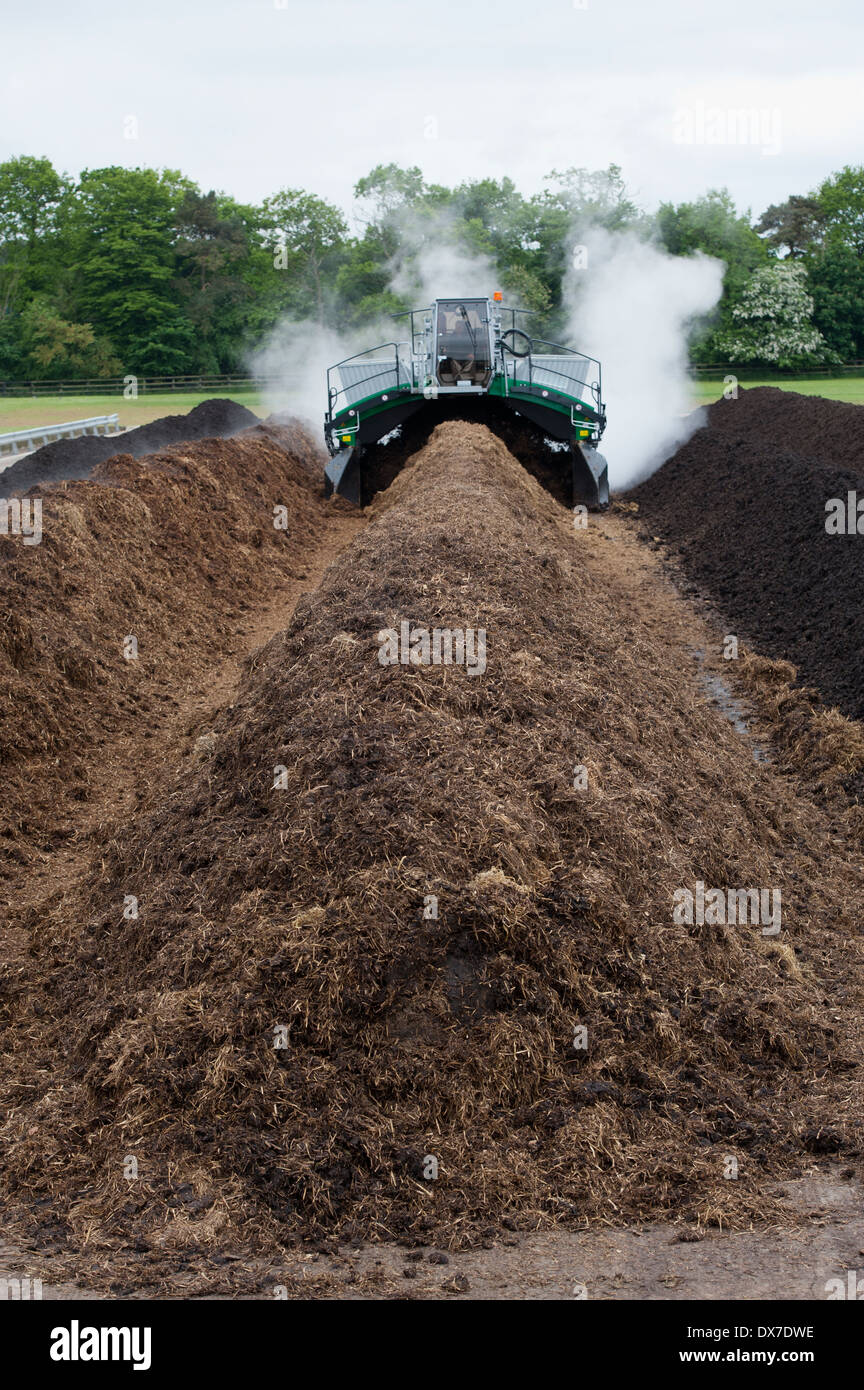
252,95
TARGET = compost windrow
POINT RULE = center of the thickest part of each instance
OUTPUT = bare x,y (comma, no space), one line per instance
742,505
143,571
399,970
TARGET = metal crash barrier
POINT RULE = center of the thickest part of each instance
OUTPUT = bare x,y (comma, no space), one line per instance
22,441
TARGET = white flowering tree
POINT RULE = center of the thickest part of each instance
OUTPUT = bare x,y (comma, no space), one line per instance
772,323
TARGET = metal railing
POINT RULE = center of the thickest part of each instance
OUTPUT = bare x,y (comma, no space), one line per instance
384,370
594,388
22,441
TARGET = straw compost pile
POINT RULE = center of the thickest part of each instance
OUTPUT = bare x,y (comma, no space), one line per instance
172,550
304,907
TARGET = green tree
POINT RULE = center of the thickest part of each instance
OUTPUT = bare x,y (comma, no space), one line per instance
123,231
53,347
791,227
574,203
213,243
836,278
405,220
32,195
593,198
305,234
825,231
712,224
387,189
772,321
392,206
496,220
840,201
138,267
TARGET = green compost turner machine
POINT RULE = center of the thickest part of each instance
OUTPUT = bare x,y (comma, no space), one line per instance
459,351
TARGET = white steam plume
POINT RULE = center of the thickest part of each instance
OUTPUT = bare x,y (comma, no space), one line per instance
294,357
632,306
439,269
429,265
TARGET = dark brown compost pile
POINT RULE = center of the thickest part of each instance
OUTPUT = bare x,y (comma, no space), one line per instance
76,458
830,431
742,504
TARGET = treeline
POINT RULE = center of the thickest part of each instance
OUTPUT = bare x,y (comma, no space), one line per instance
138,270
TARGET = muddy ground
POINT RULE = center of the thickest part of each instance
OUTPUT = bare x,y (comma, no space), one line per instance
822,1241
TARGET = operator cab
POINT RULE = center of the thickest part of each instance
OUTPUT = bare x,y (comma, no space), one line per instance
463,342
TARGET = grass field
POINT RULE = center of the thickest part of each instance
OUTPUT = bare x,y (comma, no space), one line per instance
26,412
29,411
840,388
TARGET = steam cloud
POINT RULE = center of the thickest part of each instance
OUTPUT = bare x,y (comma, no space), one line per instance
295,357
633,306
437,267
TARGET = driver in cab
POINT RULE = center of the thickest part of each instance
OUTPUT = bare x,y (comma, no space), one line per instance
457,337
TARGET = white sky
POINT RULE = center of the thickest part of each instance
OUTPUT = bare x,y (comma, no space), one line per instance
252,95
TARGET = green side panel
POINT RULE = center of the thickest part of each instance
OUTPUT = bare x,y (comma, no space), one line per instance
556,400
371,405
